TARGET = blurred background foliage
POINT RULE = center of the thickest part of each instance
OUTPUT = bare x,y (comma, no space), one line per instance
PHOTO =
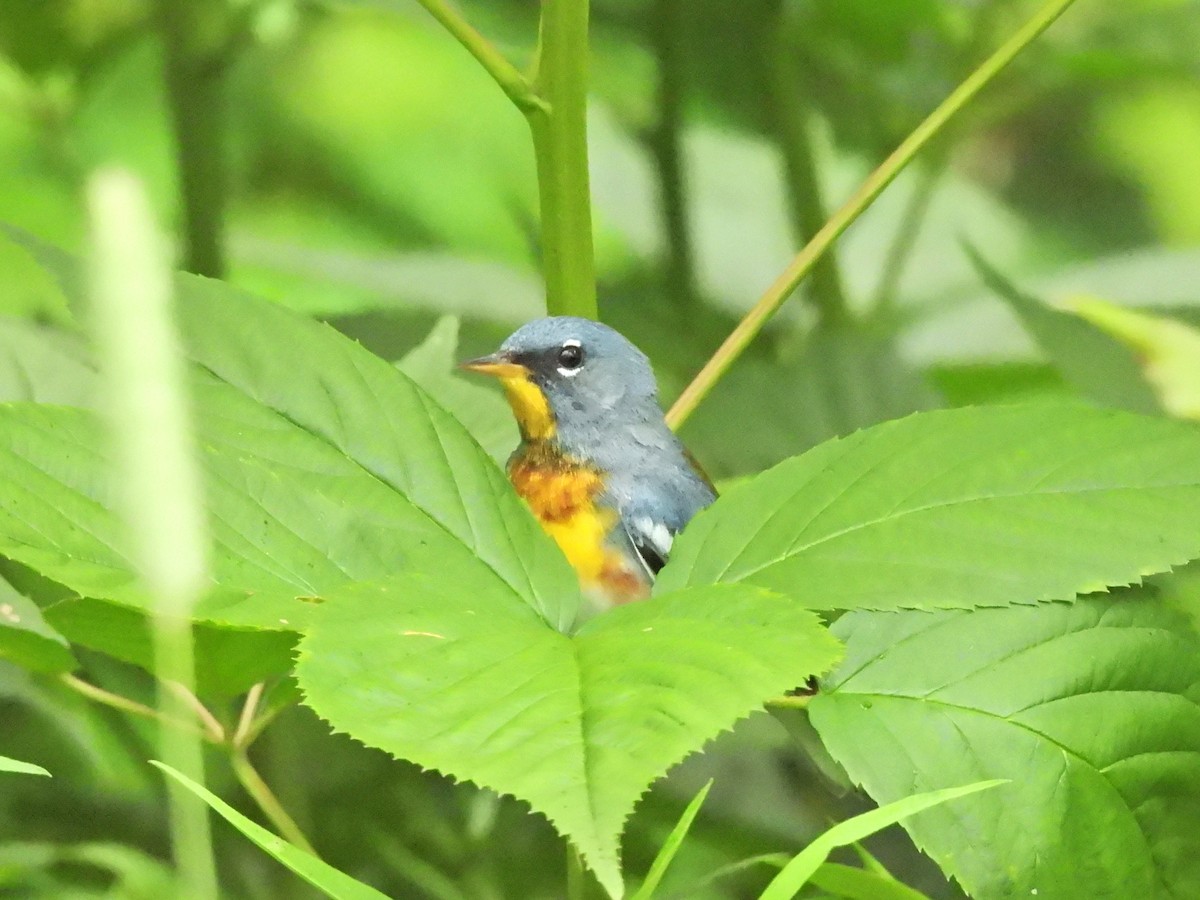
372,175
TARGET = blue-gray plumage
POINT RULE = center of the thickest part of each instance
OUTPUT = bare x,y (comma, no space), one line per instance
595,405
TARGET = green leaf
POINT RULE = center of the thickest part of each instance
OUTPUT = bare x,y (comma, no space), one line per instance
43,365
1168,351
671,845
461,675
228,660
861,884
482,412
26,639
1090,360
24,768
1089,708
800,870
319,874
959,508
324,465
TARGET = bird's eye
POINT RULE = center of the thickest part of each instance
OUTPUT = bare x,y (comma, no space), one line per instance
570,357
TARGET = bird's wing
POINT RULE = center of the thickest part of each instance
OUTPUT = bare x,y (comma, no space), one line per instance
651,540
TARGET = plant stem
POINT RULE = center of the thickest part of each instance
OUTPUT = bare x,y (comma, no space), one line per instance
195,75
124,704
870,189
213,729
560,148
191,836
504,73
246,719
790,113
665,144
262,794
554,102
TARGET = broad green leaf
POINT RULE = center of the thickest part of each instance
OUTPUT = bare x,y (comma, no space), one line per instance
1168,351
671,845
959,508
1090,360
482,412
26,639
228,660
1090,709
27,293
43,365
1180,589
324,465
319,874
23,768
805,864
458,673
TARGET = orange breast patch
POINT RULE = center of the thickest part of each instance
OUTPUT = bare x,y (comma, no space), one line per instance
562,495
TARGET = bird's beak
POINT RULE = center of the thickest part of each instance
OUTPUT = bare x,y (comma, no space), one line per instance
497,365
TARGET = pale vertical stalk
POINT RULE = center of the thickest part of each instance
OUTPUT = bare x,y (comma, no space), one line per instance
560,148
155,471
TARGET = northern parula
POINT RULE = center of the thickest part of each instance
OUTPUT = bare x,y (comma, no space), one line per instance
597,464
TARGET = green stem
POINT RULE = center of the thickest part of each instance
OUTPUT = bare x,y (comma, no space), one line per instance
504,73
124,704
190,832
560,147
665,144
246,720
790,113
262,794
804,261
195,76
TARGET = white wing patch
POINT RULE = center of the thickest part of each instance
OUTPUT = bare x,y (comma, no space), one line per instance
651,543
656,534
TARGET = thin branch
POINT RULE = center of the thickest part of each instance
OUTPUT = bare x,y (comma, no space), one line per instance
212,727
518,88
124,704
866,194
262,794
246,719
259,725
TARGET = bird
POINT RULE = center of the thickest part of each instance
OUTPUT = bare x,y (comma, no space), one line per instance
597,463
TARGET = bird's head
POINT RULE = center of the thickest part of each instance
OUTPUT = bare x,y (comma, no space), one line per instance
566,374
